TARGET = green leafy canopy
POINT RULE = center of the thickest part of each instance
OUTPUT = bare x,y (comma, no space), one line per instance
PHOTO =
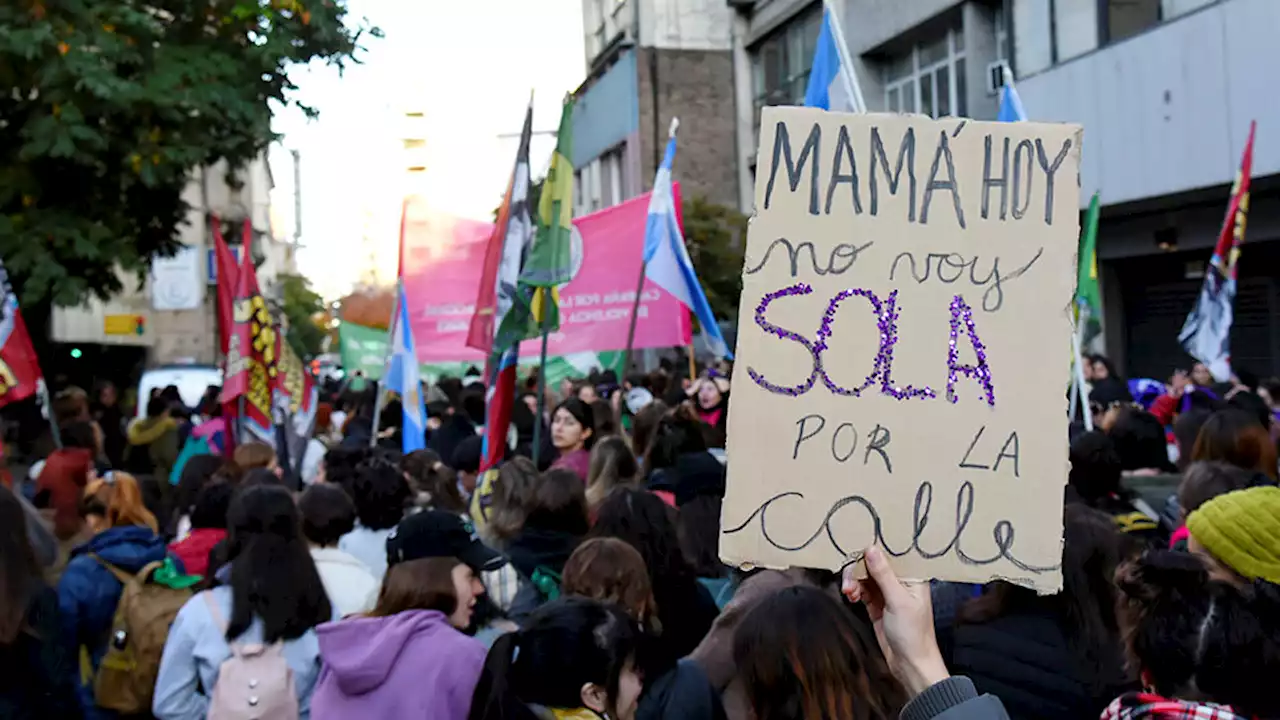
107,105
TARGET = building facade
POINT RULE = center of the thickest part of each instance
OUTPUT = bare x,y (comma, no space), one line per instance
648,61
1165,91
172,316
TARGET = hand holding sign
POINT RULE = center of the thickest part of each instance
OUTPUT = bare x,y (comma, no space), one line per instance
904,342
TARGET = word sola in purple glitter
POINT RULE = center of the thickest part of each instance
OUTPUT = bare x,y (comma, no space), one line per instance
886,313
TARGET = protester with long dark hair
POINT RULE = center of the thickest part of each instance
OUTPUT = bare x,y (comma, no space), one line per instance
1095,480
39,665
685,607
1054,656
124,541
574,658
1234,436
612,466
800,654
1203,648
270,594
555,521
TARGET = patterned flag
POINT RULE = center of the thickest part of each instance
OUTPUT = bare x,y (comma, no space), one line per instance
19,368
549,262
250,372
504,260
1206,335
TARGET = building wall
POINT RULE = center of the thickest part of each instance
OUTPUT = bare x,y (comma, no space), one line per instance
696,86
606,111
1168,110
685,24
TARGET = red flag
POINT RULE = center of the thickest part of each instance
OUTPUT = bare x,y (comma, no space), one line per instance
251,350
227,272
19,366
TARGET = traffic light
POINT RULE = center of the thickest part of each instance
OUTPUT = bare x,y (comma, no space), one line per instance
75,353
140,326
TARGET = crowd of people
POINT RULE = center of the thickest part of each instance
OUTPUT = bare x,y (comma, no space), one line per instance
154,569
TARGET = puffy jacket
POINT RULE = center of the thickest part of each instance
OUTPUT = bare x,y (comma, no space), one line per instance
88,592
158,436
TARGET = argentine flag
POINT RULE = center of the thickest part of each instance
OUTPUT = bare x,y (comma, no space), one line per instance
402,376
1010,103
828,86
666,260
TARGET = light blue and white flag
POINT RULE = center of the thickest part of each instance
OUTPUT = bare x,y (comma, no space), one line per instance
666,259
829,86
1010,103
402,376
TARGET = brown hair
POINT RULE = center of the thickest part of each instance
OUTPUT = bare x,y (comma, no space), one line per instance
428,476
800,653
610,570
425,584
117,497
511,490
1235,436
558,502
612,465
251,455
644,424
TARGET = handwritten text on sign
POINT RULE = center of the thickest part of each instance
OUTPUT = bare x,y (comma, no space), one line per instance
903,347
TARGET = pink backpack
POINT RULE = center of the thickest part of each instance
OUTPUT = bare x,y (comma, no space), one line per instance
255,683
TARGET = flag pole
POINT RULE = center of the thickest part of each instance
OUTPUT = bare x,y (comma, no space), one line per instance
635,304
851,78
542,378
1077,390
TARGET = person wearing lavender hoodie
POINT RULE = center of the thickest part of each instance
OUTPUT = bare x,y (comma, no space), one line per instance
409,657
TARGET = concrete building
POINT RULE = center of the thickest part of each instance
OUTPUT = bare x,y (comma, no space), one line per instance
648,61
172,316
1165,90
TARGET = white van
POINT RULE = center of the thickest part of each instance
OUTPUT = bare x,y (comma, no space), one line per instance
191,380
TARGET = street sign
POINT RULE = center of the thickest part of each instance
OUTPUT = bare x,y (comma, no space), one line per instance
211,263
124,324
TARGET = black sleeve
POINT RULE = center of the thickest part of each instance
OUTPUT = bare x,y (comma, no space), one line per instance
57,662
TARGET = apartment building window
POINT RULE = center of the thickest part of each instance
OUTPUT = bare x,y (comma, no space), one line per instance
612,191
603,19
1125,18
929,79
781,62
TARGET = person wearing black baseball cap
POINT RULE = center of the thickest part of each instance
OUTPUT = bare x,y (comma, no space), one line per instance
435,533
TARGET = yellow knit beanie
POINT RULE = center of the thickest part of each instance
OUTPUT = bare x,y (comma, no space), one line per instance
1242,530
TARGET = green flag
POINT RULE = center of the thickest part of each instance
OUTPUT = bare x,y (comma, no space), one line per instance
362,348
549,263
1088,299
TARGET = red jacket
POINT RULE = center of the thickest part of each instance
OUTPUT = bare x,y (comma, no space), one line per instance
194,550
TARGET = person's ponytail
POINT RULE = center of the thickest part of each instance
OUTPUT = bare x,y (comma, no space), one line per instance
495,697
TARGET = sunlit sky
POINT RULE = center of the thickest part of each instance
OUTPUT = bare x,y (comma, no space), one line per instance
469,67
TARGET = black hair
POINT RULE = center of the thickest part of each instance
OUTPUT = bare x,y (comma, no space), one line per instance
1189,633
581,412
1185,430
1095,468
800,654
273,577
211,506
699,532
1249,402
564,645
341,462
1207,479
380,493
1085,608
260,476
327,514
79,434
19,573
157,406
197,473
471,402
558,502
466,456
642,519
1140,441
677,433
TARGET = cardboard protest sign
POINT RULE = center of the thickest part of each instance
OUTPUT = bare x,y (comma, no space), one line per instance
904,345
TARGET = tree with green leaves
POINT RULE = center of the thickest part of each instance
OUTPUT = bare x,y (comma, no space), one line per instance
715,236
301,307
107,107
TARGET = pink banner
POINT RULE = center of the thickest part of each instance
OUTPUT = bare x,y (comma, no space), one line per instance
444,256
